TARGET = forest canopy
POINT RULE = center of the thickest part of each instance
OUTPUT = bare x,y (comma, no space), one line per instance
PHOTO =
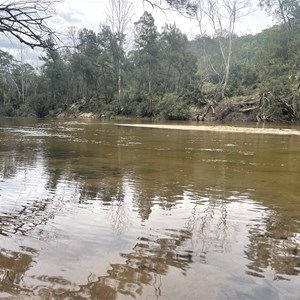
220,75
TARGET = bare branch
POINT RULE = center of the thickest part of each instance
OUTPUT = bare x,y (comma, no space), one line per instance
186,8
119,14
26,20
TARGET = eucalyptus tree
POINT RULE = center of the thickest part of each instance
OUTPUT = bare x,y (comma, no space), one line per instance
8,86
119,14
183,6
286,11
108,63
94,66
217,18
52,82
17,80
83,65
73,39
179,64
24,75
146,55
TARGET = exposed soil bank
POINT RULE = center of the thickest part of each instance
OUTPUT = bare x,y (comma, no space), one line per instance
219,128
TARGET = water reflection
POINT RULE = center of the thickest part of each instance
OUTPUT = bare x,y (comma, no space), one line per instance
14,265
94,211
274,244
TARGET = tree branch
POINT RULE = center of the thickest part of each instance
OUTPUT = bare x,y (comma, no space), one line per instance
184,7
26,20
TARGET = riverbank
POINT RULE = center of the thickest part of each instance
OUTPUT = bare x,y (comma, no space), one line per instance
236,109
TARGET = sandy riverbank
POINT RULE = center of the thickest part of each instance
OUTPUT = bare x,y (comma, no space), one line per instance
219,128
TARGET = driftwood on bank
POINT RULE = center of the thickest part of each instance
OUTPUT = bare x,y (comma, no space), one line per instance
208,107
243,110
266,107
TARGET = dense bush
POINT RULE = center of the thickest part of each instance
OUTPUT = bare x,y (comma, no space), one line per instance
171,108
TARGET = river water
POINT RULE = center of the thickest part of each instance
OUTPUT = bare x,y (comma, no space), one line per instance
90,210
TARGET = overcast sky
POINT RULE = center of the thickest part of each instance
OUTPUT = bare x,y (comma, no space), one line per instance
91,13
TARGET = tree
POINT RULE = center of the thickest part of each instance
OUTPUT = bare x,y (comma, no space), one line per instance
8,85
220,17
24,76
84,71
146,38
54,76
179,64
119,14
26,20
286,11
94,68
108,62
184,6
216,17
73,39
17,81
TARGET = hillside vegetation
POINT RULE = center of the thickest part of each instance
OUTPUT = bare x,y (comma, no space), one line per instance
163,75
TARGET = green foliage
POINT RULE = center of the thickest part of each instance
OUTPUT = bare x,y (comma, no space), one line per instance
41,101
163,74
54,79
280,100
7,110
184,6
286,11
40,106
172,108
146,56
179,65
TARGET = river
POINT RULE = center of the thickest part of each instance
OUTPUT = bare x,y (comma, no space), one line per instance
91,210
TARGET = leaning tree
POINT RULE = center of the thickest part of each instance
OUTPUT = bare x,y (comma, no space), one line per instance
26,20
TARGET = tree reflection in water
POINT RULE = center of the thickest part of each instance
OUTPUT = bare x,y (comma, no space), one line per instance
274,244
170,225
14,264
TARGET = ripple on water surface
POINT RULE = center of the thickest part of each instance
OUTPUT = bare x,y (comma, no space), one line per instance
131,214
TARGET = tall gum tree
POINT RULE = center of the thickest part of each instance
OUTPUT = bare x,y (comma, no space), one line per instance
119,14
217,18
286,11
146,38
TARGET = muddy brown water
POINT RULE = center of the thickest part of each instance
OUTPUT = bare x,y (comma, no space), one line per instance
90,210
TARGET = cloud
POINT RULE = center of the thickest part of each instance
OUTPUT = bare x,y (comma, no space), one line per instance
82,14
67,14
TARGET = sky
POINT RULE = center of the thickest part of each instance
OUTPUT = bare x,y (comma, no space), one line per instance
91,13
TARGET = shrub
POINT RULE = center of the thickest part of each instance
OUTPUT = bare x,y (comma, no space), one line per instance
40,105
7,110
170,108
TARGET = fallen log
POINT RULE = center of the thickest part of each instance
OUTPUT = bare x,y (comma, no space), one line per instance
248,109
